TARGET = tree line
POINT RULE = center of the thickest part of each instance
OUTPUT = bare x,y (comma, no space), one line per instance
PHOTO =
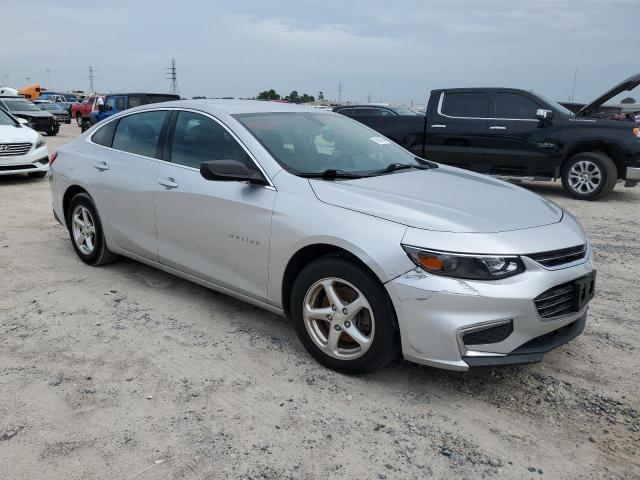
293,97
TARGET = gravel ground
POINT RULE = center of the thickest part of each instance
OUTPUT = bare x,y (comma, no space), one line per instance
125,372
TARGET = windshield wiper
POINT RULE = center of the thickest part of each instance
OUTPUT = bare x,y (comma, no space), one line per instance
403,166
330,174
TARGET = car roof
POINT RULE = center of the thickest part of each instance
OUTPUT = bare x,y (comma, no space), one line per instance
128,94
365,105
233,107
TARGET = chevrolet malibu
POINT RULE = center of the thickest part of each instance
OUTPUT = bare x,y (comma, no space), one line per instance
370,251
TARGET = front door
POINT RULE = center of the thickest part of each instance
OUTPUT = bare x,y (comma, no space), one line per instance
215,230
519,143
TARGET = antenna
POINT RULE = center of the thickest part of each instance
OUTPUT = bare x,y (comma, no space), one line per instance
173,76
91,77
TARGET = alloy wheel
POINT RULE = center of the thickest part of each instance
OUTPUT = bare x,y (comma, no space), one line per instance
83,229
338,318
585,177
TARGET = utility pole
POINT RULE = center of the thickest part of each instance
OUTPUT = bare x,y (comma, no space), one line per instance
340,93
173,76
368,98
48,78
91,77
573,90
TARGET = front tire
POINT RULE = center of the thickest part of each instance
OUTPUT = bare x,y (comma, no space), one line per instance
53,131
343,316
86,233
589,175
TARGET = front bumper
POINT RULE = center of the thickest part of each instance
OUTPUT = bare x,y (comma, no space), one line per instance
36,160
435,312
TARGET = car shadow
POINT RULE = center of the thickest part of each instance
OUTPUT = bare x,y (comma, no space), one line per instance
20,179
555,190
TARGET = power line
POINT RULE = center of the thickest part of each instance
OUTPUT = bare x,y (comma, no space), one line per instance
173,76
91,77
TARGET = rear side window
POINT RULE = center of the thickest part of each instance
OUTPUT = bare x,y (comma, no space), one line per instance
346,111
465,104
120,104
135,102
198,139
139,133
104,135
365,112
513,105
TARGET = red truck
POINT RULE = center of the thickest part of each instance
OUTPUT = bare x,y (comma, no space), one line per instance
86,108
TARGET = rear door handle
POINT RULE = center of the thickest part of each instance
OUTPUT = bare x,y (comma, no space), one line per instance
101,166
497,127
438,126
168,182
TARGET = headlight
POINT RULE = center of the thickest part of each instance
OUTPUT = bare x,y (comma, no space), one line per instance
471,267
41,142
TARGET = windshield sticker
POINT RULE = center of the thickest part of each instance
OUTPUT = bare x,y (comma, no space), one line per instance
380,140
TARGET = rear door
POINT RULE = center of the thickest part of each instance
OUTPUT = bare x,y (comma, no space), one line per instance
124,164
457,128
518,143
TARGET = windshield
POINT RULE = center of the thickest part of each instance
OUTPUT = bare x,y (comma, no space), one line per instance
6,119
307,143
50,106
71,98
554,104
21,105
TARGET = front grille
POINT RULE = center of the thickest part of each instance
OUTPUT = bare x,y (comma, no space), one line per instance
488,335
13,149
554,258
557,301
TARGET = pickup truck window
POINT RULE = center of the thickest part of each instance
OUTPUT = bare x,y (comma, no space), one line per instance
135,102
110,104
513,105
465,104
120,105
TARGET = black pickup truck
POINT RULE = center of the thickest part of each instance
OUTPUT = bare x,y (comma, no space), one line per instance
517,133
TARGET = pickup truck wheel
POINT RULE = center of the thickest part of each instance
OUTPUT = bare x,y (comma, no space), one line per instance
589,175
79,119
343,316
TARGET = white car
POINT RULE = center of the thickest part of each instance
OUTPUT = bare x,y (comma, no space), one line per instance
22,150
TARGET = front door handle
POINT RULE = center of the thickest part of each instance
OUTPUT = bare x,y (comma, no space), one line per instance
497,127
438,126
101,166
168,182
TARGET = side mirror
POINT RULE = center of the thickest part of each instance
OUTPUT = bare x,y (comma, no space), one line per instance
229,171
543,114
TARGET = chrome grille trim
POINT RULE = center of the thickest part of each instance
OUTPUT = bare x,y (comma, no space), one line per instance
555,258
14,149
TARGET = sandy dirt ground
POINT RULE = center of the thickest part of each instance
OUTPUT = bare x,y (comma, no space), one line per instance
126,372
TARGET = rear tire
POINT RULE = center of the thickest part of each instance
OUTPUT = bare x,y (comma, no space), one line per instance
354,331
84,223
589,175
79,119
53,131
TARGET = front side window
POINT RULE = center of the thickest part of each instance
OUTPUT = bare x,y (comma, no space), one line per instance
308,143
513,105
199,139
465,104
139,133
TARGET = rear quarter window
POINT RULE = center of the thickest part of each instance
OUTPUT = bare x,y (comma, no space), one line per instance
104,135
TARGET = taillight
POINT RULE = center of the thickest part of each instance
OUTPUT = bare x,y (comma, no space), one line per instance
52,158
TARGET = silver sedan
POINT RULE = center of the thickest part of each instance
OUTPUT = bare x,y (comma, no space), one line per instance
371,252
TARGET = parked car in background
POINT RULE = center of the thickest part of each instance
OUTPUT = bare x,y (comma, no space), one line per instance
118,102
22,150
58,111
516,133
373,111
86,108
64,99
370,250
38,119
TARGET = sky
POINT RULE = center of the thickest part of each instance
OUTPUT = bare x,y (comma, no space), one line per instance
387,51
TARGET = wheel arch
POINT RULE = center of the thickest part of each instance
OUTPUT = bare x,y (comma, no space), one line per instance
611,150
69,193
307,254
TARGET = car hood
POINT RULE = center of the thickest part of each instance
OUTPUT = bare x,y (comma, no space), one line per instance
11,134
629,84
443,199
32,113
